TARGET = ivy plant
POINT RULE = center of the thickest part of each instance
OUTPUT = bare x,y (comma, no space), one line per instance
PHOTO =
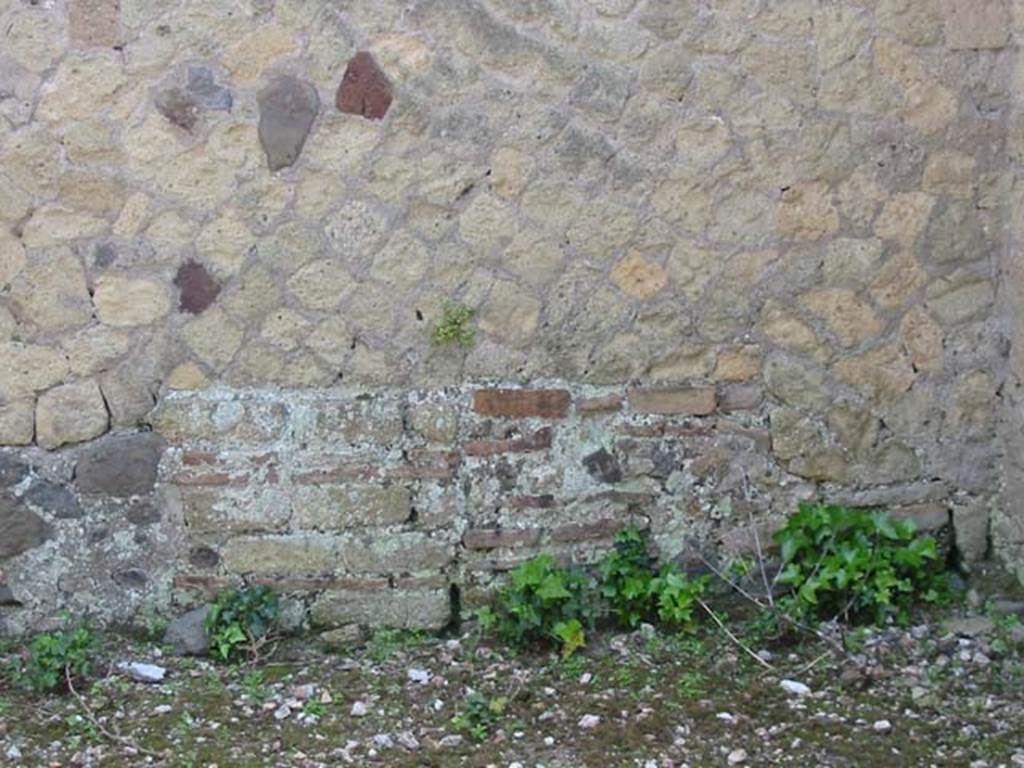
857,565
54,657
241,621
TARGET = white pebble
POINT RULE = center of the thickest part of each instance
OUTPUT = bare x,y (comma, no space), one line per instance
737,756
420,676
882,726
589,721
359,709
794,687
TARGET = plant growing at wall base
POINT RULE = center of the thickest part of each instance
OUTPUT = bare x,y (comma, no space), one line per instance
856,564
454,326
635,590
543,603
241,622
54,657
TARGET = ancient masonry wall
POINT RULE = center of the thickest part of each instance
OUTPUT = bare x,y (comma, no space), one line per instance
723,256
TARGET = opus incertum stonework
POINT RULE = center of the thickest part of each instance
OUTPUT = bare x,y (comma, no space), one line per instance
724,256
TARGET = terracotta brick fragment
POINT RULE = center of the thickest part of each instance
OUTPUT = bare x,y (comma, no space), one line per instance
493,538
593,405
601,529
537,441
522,403
689,401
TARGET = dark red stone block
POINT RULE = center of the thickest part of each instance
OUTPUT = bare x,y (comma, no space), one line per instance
365,90
197,288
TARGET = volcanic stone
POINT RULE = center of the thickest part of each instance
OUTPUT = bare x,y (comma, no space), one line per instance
364,90
288,108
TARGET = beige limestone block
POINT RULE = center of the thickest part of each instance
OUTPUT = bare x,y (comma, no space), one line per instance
786,330
132,215
688,361
12,257
510,170
91,192
552,205
917,22
247,59
285,328
976,23
904,217
923,339
95,22
51,225
949,173
339,145
487,223
17,422
91,142
882,374
321,284
122,301
638,277
253,295
898,280
806,212
170,228
691,268
29,368
401,55
402,263
8,325
738,363
685,201
50,292
858,198
958,297
331,340
95,348
511,313
83,85
538,261
213,338
31,161
700,142
845,314
224,243
187,376
70,413
849,260
32,36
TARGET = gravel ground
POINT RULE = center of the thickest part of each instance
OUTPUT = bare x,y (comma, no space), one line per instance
943,693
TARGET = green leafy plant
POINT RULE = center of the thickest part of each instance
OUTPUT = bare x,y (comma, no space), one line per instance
241,622
454,326
635,590
54,657
480,715
857,565
543,603
678,596
626,577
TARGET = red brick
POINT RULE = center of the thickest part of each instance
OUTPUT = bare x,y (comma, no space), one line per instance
212,479
741,397
688,401
522,403
641,430
538,441
206,584
601,529
688,430
196,458
340,473
607,404
425,464
494,538
543,501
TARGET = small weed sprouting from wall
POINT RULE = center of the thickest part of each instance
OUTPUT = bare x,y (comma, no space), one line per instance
454,326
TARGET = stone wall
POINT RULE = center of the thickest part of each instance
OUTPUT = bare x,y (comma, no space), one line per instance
731,255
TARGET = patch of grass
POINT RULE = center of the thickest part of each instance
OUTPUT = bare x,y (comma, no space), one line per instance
53,657
385,643
480,715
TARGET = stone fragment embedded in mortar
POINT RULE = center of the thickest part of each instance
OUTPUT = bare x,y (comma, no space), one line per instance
288,108
364,90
